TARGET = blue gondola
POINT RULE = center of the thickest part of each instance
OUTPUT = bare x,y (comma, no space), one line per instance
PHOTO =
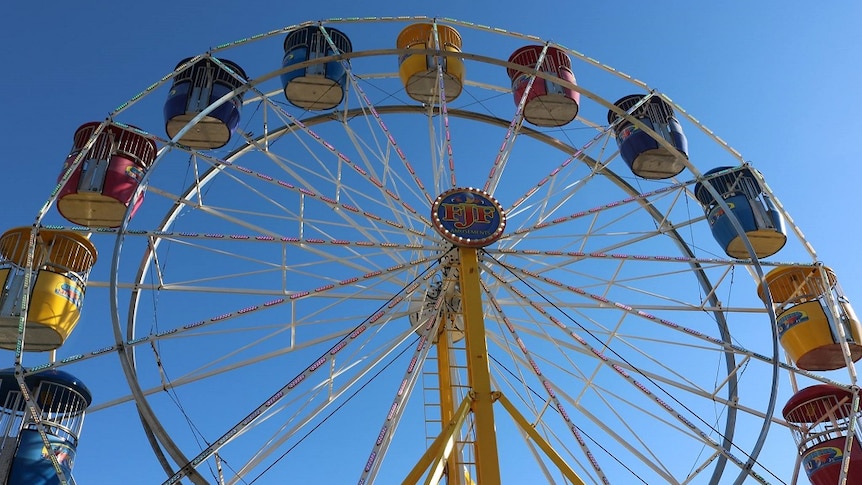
318,86
642,153
63,400
196,87
741,191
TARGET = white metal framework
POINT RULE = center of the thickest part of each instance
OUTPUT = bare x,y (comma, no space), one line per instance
283,305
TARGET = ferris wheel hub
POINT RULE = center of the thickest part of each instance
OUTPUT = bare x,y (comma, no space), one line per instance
468,217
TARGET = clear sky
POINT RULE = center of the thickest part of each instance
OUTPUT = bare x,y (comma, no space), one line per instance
778,81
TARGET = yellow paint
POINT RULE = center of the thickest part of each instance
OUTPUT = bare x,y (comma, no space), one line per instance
802,328
53,312
808,340
478,369
55,304
440,448
542,443
442,456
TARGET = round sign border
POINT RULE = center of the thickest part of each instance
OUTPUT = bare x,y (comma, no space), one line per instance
464,241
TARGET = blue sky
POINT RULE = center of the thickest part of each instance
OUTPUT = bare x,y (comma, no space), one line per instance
769,79
776,80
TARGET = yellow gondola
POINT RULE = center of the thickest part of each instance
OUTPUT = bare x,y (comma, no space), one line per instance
808,322
62,261
418,72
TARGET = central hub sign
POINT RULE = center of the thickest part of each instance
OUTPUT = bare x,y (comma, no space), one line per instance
468,217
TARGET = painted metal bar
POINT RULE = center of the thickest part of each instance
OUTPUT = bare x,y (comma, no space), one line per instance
478,369
543,444
438,447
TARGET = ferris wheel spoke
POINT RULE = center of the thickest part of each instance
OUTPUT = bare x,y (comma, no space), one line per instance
667,383
223,364
442,98
631,288
643,452
392,201
297,296
379,164
650,461
338,348
646,450
669,379
268,256
367,107
442,176
672,375
609,221
263,410
300,417
351,216
387,188
636,283
580,154
391,177
600,303
403,392
631,441
499,164
547,385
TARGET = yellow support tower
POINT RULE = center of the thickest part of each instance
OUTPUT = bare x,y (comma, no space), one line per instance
471,219
478,370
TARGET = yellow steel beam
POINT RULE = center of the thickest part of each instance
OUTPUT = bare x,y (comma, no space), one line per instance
543,444
478,370
443,442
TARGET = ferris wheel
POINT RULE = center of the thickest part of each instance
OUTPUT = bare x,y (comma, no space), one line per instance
424,250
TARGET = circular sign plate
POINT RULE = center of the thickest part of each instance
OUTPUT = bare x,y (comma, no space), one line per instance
468,217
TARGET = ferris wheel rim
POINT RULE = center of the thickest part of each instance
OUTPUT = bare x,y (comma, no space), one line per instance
681,241
324,118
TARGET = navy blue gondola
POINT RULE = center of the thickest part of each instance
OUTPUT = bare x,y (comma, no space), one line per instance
642,153
197,87
318,86
62,400
741,191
